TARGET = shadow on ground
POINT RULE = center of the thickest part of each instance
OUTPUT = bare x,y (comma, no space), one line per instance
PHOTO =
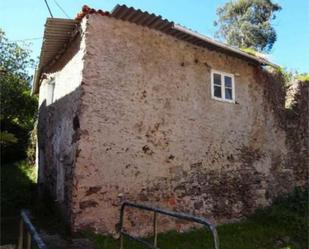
18,190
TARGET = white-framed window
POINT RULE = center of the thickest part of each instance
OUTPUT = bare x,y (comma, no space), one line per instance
222,86
50,89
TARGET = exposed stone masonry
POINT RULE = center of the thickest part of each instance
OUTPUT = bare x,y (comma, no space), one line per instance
142,127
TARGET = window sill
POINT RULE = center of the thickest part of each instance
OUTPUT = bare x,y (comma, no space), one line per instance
232,101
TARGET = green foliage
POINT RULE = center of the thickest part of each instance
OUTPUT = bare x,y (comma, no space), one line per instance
290,214
18,187
290,75
7,138
253,52
303,77
31,150
19,191
247,23
283,225
250,51
286,75
18,107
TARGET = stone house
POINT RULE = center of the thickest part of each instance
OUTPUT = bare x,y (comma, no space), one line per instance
135,107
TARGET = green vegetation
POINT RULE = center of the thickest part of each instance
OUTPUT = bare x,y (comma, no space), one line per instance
7,138
303,77
253,52
18,189
247,23
289,76
18,107
283,225
250,51
286,74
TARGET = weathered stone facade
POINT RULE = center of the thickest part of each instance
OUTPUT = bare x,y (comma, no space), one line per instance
59,124
297,130
133,119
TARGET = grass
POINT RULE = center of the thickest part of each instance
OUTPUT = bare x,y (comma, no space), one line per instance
18,188
253,52
284,225
19,191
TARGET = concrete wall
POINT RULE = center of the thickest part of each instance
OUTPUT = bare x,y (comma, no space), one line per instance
150,132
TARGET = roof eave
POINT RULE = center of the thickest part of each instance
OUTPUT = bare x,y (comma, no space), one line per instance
58,33
223,46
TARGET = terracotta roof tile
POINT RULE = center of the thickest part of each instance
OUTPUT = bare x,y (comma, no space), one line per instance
87,10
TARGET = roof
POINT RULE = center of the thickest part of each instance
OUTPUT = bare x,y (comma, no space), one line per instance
59,32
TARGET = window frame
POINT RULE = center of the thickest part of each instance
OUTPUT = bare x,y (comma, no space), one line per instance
222,74
50,96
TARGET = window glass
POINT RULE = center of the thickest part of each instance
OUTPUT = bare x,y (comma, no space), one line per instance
217,79
228,81
228,93
217,91
223,86
50,88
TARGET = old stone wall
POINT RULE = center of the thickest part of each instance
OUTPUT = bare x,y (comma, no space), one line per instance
297,128
150,131
58,126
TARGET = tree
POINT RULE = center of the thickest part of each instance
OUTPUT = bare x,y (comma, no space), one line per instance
247,24
18,107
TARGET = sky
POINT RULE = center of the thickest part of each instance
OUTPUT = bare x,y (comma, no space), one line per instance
23,21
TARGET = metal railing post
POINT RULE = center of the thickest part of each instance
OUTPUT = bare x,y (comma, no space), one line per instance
121,226
28,240
155,229
215,236
21,234
33,236
121,241
156,211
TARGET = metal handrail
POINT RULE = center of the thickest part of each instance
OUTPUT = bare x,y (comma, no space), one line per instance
182,216
32,234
